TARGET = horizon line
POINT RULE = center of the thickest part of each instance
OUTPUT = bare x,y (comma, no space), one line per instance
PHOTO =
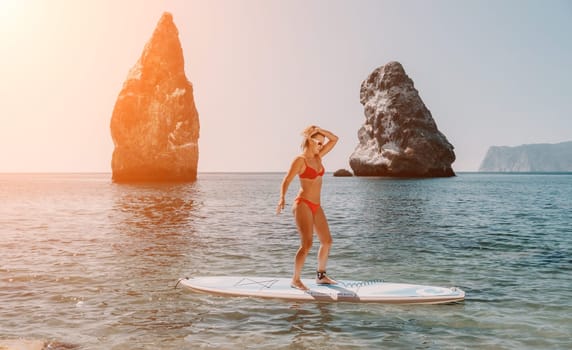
260,172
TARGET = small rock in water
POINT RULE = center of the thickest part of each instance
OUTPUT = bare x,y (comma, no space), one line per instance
342,173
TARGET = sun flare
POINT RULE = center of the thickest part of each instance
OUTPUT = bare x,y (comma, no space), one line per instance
11,12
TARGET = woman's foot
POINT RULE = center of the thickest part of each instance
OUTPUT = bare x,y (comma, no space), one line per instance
322,278
298,285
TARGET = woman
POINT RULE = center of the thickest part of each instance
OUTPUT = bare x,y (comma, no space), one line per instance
307,210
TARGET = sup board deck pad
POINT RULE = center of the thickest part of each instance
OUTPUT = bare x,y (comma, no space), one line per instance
373,291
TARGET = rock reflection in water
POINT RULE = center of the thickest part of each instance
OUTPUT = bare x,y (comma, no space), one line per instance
154,223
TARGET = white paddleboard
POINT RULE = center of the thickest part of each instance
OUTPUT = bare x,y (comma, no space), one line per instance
349,291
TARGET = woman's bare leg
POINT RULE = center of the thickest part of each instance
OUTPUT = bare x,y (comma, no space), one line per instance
305,223
323,232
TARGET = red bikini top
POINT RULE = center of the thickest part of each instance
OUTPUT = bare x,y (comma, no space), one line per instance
311,173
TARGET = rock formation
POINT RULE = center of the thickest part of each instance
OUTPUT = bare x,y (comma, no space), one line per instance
343,173
155,124
529,158
399,137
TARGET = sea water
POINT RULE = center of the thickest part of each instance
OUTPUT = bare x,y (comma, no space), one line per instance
89,264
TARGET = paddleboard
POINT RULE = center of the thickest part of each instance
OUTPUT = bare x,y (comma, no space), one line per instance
373,291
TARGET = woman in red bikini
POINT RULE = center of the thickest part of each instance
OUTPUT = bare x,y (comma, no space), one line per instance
308,213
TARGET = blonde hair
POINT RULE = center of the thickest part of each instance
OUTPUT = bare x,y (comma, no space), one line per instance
308,133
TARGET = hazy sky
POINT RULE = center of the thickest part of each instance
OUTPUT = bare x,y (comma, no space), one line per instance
491,72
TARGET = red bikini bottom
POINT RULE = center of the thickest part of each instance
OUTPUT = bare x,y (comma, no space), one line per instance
313,206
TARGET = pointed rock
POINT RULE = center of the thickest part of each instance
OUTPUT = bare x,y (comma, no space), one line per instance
399,137
155,124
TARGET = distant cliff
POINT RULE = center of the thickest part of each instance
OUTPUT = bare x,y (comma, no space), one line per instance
542,157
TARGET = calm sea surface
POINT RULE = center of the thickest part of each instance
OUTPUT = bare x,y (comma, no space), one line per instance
88,264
